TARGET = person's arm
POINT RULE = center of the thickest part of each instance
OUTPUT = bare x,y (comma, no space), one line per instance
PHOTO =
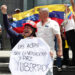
7,26
56,32
62,30
73,6
59,53
74,17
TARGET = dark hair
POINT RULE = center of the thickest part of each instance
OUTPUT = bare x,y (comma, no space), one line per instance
33,33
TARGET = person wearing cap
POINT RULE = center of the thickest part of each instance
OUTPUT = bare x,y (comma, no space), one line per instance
48,29
29,27
17,10
69,27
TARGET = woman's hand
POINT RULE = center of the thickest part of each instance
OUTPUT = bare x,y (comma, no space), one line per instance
51,54
4,9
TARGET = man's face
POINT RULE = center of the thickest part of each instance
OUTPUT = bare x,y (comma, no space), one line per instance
27,31
43,15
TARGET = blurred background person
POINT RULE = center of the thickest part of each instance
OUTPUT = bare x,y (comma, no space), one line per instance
65,47
70,31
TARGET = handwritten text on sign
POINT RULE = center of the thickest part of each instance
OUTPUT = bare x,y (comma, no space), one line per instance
30,56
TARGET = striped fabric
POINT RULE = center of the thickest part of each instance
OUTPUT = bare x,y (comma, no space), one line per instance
56,12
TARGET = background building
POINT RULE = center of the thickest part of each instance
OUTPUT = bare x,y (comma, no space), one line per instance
23,5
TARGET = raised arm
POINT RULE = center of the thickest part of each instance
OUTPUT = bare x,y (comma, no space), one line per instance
73,6
7,26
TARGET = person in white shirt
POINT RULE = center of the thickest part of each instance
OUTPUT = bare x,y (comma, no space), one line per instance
48,29
69,26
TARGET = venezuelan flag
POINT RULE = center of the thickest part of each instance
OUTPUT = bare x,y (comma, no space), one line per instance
57,16
56,13
69,15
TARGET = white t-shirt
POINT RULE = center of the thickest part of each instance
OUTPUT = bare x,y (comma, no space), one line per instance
69,24
48,31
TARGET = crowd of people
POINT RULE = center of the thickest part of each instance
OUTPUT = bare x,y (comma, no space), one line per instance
48,29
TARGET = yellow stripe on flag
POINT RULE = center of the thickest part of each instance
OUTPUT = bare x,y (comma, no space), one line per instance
35,10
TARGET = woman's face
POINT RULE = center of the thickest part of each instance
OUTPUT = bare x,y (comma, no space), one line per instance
27,31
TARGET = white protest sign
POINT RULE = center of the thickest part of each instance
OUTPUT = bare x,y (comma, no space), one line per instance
31,56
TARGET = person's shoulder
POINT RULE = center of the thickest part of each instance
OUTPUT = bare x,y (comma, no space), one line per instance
53,23
39,23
